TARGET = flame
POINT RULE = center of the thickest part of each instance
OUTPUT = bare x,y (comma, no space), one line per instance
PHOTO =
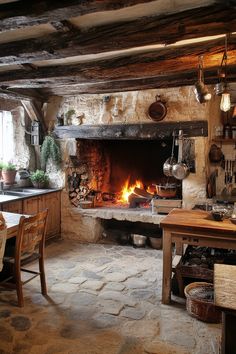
128,189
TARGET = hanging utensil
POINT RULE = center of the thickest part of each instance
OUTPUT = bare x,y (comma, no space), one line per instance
201,92
168,164
180,170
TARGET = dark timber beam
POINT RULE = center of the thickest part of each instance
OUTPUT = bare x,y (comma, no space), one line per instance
142,131
195,23
136,66
161,81
15,95
26,13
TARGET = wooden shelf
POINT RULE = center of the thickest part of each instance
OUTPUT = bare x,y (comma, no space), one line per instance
224,141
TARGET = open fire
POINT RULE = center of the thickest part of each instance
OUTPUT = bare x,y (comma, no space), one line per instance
128,189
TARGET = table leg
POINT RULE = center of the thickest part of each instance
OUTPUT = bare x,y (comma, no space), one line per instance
167,267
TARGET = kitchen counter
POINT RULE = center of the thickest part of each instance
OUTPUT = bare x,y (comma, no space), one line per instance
10,195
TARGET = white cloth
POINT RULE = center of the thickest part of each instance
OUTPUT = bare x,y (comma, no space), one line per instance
3,237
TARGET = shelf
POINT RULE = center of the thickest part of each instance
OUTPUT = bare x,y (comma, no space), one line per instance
224,141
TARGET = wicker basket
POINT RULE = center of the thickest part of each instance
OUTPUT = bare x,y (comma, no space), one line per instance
199,302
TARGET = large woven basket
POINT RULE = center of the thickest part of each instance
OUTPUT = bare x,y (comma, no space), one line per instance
199,302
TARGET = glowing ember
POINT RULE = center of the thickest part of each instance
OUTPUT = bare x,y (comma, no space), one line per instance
128,189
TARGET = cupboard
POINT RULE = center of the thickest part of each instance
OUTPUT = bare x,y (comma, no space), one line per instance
33,205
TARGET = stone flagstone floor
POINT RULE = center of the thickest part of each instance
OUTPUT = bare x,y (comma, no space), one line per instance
102,299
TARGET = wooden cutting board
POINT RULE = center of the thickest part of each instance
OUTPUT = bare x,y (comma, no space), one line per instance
225,286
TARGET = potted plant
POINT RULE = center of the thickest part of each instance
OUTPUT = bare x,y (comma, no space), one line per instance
8,173
39,178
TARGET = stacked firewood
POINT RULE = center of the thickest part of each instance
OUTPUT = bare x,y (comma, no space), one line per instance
78,185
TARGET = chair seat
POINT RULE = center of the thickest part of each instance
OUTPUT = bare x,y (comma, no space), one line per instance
28,246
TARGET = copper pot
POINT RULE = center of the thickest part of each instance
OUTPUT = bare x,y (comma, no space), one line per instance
157,110
168,190
215,154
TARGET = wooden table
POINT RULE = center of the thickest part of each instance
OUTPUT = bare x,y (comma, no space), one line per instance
192,227
12,221
225,299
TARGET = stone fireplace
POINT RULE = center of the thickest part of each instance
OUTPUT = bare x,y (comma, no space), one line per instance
102,165
108,137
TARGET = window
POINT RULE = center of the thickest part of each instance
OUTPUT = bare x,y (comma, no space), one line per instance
6,136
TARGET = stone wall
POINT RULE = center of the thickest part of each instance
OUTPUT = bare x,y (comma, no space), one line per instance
132,107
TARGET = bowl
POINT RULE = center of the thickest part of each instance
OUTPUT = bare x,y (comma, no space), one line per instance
139,240
233,220
218,215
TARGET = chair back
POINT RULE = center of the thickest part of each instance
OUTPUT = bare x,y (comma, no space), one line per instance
31,235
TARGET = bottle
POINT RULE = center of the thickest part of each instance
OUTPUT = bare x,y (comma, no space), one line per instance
233,216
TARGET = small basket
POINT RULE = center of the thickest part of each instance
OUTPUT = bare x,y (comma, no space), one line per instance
199,302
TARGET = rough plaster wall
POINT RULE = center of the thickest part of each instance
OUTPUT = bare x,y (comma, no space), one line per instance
22,149
133,108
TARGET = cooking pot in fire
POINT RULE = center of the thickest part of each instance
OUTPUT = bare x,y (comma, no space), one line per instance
168,190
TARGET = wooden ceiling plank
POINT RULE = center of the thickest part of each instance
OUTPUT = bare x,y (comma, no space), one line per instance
205,21
27,13
133,66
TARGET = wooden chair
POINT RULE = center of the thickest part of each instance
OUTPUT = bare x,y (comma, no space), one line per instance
30,243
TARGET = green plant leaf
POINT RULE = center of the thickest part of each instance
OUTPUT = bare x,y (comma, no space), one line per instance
50,149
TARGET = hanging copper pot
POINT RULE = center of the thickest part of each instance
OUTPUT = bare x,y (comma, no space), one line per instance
157,110
215,154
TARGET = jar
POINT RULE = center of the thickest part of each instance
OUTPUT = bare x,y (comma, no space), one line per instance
234,131
60,121
227,131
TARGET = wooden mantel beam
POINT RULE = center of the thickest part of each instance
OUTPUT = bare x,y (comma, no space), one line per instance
130,67
195,23
26,13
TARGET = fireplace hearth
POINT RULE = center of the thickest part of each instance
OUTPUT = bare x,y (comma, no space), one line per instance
119,173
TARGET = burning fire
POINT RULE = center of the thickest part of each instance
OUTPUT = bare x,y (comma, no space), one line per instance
129,189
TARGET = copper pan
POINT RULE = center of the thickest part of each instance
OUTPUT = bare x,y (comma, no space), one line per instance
157,110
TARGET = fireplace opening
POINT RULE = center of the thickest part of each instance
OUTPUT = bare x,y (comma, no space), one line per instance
136,160
103,168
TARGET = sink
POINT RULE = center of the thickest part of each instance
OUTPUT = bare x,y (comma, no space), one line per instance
16,194
28,190
23,192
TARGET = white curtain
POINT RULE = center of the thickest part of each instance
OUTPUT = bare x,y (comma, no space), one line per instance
6,137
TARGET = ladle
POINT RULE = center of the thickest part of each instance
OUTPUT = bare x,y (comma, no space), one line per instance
168,164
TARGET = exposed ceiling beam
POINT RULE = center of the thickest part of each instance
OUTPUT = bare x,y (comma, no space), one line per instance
162,81
21,94
153,63
29,13
205,21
